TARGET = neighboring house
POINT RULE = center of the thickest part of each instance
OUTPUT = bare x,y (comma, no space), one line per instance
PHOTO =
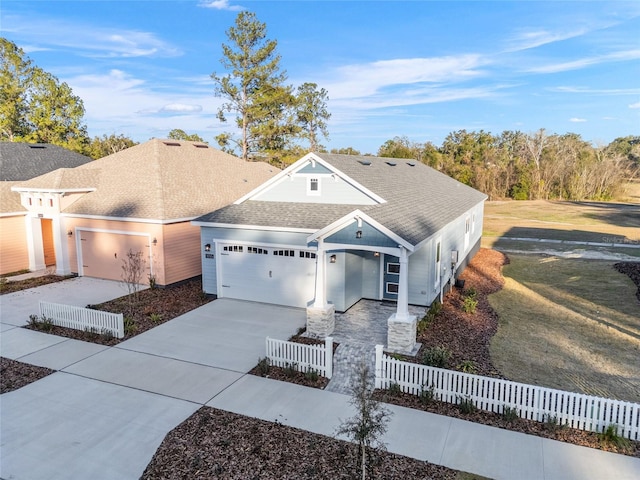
141,199
20,162
332,229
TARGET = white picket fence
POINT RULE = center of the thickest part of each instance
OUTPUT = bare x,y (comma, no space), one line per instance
584,412
80,318
302,357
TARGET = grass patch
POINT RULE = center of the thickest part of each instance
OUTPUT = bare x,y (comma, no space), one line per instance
568,324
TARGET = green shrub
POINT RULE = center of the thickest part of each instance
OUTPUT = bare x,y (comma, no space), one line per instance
471,293
427,395
436,357
469,305
551,423
466,406
42,324
264,366
435,308
468,366
510,414
291,369
130,326
155,317
153,284
610,436
311,374
395,389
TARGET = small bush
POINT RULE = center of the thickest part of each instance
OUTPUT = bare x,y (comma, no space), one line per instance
311,374
468,366
471,293
42,324
153,284
427,395
469,305
155,317
436,357
130,326
510,414
264,366
290,369
551,423
395,389
467,406
107,335
610,436
435,308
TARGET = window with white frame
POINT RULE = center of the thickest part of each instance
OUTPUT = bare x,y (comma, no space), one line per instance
284,253
313,186
233,248
392,288
304,254
393,268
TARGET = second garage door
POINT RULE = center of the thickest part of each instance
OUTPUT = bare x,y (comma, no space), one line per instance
102,253
269,275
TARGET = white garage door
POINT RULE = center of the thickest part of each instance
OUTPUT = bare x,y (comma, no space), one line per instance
270,275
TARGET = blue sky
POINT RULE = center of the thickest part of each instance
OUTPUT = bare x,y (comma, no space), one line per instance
419,69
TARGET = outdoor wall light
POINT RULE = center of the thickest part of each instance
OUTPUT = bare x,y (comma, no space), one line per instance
332,259
207,247
155,241
359,234
70,233
376,254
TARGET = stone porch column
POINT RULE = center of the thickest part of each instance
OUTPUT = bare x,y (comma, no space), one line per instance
401,327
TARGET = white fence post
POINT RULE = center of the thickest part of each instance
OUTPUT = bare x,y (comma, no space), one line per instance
328,356
379,373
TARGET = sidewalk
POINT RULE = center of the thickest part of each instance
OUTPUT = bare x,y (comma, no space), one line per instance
106,411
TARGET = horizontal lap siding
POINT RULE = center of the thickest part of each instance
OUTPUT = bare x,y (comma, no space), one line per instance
182,255
14,253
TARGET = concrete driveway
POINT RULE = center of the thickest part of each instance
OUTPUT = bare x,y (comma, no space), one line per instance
106,410
15,308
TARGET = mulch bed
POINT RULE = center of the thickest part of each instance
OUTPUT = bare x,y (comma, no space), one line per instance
152,307
11,286
632,270
213,444
15,375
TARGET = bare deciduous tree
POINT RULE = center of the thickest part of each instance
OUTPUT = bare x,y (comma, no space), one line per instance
134,267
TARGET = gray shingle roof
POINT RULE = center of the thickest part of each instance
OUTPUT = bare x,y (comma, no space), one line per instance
23,161
420,200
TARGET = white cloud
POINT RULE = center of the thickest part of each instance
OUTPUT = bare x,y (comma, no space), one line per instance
587,62
181,108
597,91
86,39
220,5
577,120
635,105
526,40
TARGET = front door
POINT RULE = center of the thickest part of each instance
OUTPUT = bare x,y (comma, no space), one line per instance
390,277
47,242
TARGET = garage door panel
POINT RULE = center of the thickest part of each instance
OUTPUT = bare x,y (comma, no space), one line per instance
267,278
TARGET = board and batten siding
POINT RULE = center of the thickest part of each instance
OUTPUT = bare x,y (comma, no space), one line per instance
209,271
332,190
14,253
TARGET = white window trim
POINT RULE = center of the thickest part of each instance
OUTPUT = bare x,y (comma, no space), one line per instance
386,287
310,192
393,273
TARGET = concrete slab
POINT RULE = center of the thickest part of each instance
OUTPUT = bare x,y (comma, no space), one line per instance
73,428
15,308
165,376
563,461
417,434
228,334
5,326
63,354
18,342
307,408
492,452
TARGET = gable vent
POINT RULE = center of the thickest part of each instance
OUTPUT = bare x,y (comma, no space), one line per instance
172,144
391,164
364,162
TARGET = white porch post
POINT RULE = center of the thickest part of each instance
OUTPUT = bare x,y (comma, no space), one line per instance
320,315
320,300
61,247
34,243
402,310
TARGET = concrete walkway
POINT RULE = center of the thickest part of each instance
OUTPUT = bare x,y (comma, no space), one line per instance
106,410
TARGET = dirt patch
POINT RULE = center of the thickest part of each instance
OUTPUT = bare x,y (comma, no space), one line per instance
11,286
152,307
15,375
213,444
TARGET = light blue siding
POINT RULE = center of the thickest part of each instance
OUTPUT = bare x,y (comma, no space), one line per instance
370,236
315,170
332,190
421,277
209,280
258,236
